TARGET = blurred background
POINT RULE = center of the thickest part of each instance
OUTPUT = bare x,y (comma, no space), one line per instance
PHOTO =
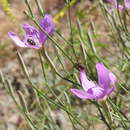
11,18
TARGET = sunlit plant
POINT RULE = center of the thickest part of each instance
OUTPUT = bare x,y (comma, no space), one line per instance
54,95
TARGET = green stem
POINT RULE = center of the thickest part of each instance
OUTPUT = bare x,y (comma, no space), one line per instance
39,7
54,68
107,113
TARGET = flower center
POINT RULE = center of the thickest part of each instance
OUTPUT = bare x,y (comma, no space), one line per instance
31,42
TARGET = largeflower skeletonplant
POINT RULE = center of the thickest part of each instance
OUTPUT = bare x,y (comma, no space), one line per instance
100,91
34,38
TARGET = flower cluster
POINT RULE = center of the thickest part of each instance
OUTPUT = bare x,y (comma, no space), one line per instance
100,91
34,38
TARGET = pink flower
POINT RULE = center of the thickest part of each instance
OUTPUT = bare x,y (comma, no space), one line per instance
100,91
121,7
127,4
34,38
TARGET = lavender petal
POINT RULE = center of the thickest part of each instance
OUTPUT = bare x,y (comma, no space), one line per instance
103,76
86,84
16,39
82,94
48,26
